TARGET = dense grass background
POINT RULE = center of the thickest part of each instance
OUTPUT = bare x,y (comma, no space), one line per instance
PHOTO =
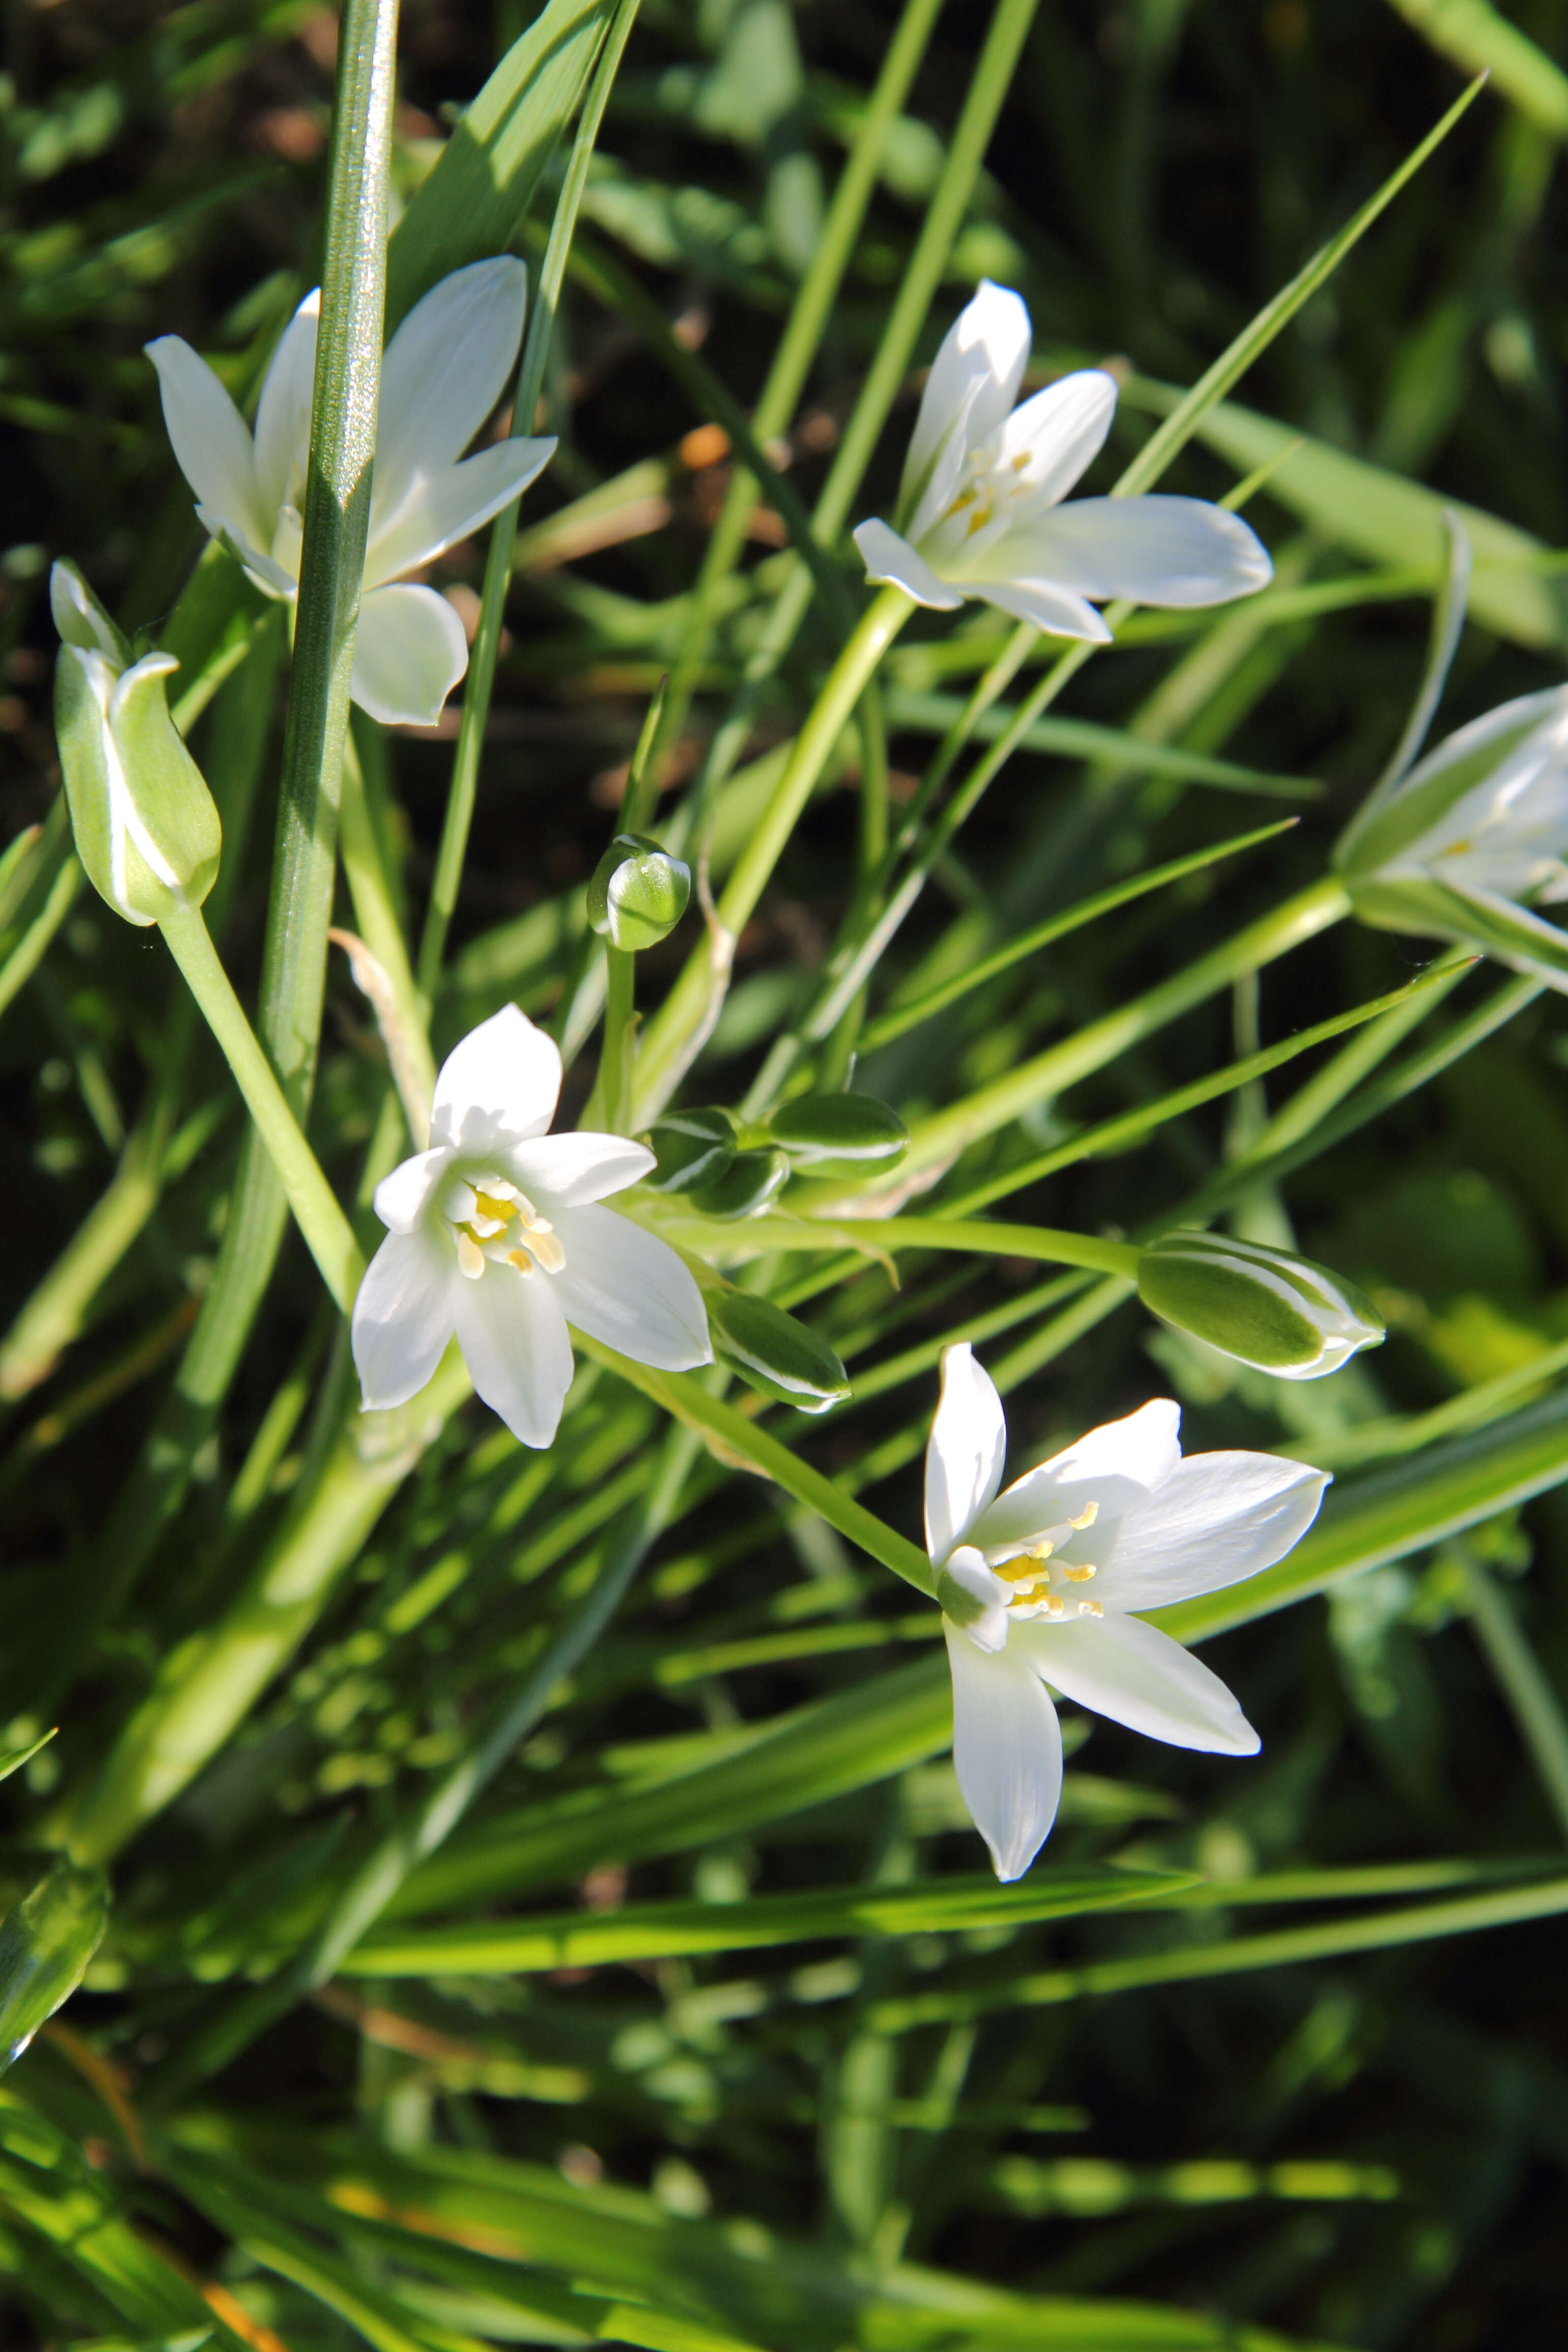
1367,2150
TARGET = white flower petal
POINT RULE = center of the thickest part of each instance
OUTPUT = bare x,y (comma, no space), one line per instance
1113,1466
445,370
402,1198
964,1452
513,1333
1006,1750
271,577
890,561
441,507
572,1169
283,411
1217,1518
409,654
207,434
1056,610
1120,1668
1060,432
500,1085
403,1317
626,1287
965,1568
974,380
1159,551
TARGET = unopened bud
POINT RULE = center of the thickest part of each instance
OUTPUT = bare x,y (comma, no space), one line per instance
751,1179
836,1136
693,1147
774,1353
146,830
639,892
1266,1308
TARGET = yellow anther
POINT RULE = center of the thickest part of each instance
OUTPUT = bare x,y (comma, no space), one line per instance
1085,1517
470,1256
1055,1606
1091,1608
1021,461
521,1259
1023,1568
488,1206
1080,1574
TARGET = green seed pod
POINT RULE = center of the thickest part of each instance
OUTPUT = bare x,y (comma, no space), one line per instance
45,1943
836,1136
751,1179
639,892
774,1353
693,1147
146,829
1281,1314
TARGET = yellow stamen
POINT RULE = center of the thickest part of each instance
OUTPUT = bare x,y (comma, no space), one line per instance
1081,1574
521,1259
1085,1517
1091,1608
470,1256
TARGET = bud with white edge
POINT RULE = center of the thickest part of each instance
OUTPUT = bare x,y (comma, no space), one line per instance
1266,1308
774,1353
638,893
146,830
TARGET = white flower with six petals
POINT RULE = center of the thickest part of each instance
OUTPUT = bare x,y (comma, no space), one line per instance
495,1233
444,370
980,509
1039,1585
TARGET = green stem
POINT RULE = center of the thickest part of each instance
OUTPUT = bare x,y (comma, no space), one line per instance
393,993
948,1132
620,974
798,350
1044,1243
480,684
328,1235
1531,1701
689,1007
731,1434
923,275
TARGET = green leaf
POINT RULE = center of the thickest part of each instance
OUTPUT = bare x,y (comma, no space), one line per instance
475,199
45,1943
660,1930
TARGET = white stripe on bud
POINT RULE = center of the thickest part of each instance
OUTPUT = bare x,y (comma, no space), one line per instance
1266,1308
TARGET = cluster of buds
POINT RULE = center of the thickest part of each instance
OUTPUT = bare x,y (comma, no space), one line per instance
730,1176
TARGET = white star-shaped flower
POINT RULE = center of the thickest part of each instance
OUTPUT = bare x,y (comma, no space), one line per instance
1040,1585
444,370
1460,846
495,1234
980,512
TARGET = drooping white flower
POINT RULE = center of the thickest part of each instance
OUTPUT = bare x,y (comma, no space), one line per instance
444,370
1041,1585
980,512
1458,846
495,1233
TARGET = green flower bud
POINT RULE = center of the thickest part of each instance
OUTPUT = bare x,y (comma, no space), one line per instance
774,1353
751,1179
639,892
1278,1313
45,1943
836,1136
146,830
693,1147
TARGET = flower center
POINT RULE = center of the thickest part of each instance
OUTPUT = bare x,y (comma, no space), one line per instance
986,485
504,1228
1025,1570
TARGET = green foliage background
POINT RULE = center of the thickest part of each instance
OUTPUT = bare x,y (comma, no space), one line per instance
701,2028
